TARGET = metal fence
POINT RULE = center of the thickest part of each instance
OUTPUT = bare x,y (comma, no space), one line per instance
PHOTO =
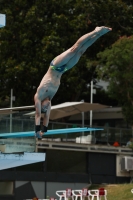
21,123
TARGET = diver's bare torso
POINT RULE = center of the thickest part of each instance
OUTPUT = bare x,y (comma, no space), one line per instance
49,84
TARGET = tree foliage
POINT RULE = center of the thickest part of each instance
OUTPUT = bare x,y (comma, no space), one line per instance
116,66
39,30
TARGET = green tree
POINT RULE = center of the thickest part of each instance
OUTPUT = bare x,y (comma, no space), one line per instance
38,30
34,34
116,66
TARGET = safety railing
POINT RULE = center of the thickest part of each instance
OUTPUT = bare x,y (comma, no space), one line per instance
21,123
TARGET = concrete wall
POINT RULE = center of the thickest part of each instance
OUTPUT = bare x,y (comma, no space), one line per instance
6,187
30,189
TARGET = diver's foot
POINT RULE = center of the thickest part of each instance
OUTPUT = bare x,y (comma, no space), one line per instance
39,135
103,30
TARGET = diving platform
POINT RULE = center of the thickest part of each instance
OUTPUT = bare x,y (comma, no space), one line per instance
49,132
21,148
16,148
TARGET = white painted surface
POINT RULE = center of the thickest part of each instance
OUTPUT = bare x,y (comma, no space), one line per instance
119,172
2,20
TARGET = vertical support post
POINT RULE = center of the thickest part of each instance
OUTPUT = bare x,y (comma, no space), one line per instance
107,135
11,104
91,101
120,137
83,119
36,144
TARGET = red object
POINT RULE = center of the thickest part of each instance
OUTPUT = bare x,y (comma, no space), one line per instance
116,144
101,192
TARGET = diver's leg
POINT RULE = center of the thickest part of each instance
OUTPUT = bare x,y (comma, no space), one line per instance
88,38
73,61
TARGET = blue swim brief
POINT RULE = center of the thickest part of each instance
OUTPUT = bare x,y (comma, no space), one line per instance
62,68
